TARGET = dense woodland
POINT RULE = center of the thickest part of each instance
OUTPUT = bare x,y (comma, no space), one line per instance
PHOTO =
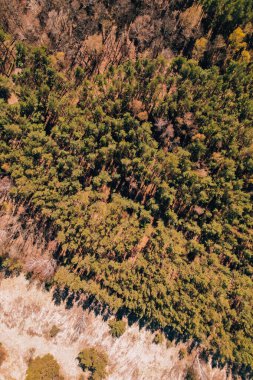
144,174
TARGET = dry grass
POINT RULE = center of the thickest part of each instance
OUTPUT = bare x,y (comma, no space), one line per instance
133,356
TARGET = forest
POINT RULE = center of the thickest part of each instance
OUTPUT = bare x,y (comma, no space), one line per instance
143,174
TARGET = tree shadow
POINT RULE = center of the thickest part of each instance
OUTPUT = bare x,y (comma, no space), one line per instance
91,304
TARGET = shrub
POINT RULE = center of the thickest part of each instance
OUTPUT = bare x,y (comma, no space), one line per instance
94,360
182,353
54,331
158,338
12,265
3,354
117,328
169,343
43,368
191,374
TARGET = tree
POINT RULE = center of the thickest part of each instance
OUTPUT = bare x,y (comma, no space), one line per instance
5,88
151,218
43,368
158,338
182,353
117,328
199,48
94,360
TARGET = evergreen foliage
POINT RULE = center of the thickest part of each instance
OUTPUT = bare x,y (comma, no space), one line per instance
158,338
43,368
94,360
117,328
227,14
146,181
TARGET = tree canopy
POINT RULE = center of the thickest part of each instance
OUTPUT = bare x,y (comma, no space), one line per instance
144,173
43,368
94,360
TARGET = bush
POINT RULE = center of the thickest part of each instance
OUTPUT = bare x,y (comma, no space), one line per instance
169,343
54,331
117,328
191,374
3,354
158,338
94,360
43,368
182,353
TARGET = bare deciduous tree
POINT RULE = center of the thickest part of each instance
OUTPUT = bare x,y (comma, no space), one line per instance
42,267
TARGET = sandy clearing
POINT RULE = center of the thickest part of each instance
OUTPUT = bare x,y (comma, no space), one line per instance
27,313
